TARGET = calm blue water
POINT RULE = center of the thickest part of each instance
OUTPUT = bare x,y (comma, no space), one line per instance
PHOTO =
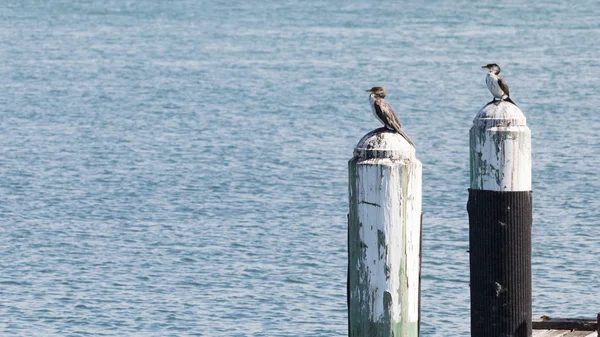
178,168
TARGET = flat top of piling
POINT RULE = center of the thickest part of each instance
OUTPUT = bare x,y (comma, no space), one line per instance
383,143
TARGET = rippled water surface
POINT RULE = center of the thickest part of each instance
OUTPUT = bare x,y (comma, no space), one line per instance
178,168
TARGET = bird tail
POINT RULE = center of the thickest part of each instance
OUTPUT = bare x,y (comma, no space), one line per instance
403,134
507,99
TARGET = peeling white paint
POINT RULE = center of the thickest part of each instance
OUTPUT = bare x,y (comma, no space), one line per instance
388,185
500,149
411,214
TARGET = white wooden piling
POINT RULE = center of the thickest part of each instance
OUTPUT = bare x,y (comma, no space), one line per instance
500,149
500,220
384,237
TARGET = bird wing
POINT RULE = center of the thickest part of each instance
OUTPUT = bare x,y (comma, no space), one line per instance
503,85
385,113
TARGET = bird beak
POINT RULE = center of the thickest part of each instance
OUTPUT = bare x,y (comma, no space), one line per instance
483,66
370,90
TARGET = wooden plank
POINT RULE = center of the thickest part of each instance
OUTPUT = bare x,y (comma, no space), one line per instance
561,333
550,333
565,324
581,334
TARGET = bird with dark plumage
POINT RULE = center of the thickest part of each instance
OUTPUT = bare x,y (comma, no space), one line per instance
384,113
496,84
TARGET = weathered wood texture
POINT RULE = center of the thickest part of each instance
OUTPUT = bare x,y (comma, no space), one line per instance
563,333
500,219
566,324
500,149
551,333
384,237
566,327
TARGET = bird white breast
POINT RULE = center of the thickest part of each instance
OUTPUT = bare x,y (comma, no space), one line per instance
492,83
372,101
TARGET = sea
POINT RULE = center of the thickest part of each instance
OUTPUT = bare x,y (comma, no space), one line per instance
179,167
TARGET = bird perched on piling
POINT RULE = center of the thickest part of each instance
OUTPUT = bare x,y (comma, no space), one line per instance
496,84
384,113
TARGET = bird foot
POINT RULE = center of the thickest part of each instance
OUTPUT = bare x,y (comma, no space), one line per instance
491,102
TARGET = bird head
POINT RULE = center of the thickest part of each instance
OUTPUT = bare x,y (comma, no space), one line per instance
493,67
377,91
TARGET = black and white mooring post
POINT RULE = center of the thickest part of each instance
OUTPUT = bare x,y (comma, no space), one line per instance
384,237
500,219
